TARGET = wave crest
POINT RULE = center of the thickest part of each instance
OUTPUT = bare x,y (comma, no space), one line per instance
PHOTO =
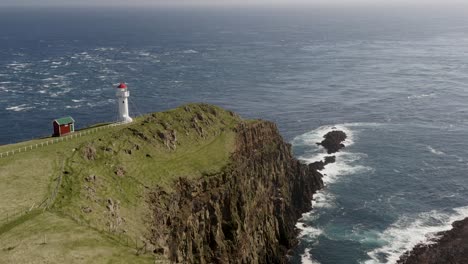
409,231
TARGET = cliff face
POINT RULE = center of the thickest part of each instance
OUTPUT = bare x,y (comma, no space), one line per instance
244,214
450,248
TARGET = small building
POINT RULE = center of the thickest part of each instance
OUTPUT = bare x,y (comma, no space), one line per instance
122,95
63,126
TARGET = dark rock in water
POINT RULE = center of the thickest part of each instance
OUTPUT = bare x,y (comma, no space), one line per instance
451,247
320,165
333,141
330,159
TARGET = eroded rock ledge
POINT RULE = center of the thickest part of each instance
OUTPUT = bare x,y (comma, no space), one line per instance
245,214
450,248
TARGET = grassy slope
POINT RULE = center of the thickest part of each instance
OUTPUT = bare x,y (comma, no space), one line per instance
82,225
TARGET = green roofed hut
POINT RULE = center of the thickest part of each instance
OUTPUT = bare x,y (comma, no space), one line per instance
63,126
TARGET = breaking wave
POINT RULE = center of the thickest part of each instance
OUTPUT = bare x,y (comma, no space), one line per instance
19,108
345,160
408,231
435,151
190,51
307,258
345,164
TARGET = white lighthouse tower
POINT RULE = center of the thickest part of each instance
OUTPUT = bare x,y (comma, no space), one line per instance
122,99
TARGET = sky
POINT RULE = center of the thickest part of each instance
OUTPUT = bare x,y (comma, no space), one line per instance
223,2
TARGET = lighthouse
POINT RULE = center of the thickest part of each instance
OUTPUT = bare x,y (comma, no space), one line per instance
122,99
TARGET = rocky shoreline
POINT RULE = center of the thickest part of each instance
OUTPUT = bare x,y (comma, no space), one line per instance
248,212
333,142
450,247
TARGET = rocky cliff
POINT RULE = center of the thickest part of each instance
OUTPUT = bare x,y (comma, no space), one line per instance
244,214
195,184
450,248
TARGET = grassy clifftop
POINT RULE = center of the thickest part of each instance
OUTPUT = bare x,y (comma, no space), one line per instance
84,200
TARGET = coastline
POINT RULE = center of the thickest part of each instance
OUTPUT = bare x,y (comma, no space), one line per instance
448,247
239,194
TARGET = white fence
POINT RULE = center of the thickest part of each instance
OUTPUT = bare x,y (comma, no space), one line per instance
55,140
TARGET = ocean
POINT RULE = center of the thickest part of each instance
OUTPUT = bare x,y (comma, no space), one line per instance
394,79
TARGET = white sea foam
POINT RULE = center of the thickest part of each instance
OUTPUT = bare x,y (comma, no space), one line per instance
104,49
3,89
308,232
101,103
435,151
315,136
323,199
420,96
307,258
73,106
18,66
19,108
311,233
345,164
409,231
131,68
345,160
190,51
62,92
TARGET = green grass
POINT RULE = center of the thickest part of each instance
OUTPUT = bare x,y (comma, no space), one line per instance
49,238
205,139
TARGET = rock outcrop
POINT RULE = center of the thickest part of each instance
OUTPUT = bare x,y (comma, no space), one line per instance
450,248
320,165
244,214
333,141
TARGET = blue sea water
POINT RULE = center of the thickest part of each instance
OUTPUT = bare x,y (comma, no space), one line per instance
395,79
